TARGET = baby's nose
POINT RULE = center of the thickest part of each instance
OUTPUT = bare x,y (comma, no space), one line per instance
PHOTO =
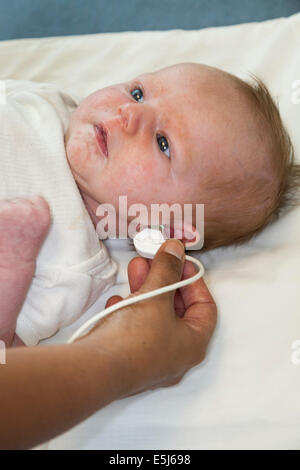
133,117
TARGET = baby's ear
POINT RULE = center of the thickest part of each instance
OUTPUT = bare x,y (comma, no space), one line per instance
188,234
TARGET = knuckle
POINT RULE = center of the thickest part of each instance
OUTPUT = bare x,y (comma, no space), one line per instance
171,382
202,355
177,380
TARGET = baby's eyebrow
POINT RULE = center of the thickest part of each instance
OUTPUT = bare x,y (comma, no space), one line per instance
140,77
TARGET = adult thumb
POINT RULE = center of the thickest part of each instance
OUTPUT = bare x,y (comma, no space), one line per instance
166,267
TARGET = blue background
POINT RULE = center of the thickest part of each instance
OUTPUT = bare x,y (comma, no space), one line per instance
40,18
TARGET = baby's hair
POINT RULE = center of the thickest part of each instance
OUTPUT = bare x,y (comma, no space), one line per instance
287,194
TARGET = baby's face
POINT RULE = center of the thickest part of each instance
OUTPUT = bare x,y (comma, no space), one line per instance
172,136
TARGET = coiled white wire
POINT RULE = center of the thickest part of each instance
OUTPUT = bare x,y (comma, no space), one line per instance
139,298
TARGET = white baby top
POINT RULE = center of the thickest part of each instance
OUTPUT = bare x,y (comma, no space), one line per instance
73,266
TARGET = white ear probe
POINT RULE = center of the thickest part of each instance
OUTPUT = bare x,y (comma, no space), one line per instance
147,243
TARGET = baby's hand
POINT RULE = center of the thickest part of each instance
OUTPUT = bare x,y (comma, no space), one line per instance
24,224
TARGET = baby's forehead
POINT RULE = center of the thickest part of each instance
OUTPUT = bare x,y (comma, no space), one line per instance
194,87
190,73
213,115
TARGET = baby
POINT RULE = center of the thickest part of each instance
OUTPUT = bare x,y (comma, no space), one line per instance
185,134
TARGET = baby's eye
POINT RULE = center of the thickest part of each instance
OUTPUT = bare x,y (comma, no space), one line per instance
163,144
136,93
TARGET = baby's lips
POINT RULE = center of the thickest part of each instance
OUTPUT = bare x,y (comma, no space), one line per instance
101,134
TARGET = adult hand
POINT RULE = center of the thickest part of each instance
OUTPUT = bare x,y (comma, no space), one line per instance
156,341
47,390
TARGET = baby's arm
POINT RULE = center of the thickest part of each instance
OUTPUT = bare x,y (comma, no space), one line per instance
24,224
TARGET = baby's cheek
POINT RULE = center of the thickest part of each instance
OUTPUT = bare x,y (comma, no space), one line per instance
137,177
77,152
79,114
73,153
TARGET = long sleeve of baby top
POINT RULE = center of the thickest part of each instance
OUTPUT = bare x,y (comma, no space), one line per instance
73,266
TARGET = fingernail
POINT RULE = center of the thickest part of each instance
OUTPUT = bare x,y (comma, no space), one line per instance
175,248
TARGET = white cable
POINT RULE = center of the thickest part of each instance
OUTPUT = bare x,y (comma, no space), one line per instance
139,298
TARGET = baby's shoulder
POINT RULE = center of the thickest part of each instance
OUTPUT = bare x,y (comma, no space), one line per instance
13,89
46,99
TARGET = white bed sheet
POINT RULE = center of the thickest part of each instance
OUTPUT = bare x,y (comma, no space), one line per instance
246,395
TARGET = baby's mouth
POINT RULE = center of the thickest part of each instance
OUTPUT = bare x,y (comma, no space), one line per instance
101,137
